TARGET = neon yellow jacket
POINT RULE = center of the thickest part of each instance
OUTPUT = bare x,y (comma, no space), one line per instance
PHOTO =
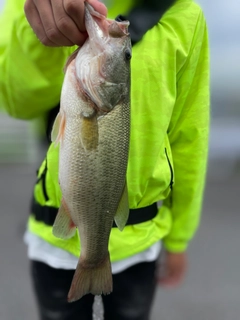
169,121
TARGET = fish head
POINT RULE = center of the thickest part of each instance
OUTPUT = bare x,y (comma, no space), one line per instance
103,63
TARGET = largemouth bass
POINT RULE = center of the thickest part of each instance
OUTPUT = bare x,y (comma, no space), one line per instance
93,128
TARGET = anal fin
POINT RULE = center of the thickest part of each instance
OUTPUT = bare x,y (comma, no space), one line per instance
63,226
122,213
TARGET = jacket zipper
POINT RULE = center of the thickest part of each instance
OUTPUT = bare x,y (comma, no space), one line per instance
171,169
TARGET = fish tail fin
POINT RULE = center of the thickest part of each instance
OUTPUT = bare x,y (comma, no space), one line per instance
95,279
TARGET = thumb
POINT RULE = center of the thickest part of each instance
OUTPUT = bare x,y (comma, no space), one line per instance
98,6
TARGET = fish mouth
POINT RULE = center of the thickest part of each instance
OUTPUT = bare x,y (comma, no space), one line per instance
118,29
105,27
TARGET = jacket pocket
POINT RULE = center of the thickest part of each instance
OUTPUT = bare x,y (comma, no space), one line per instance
171,170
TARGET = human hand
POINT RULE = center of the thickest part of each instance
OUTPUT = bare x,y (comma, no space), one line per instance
172,269
59,22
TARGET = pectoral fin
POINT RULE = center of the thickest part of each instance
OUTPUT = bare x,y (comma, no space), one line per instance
121,216
89,132
58,128
63,226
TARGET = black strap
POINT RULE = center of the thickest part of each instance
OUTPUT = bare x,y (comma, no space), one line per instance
141,215
48,214
145,16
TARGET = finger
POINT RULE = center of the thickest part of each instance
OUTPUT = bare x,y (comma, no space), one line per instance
170,282
75,9
53,35
35,22
66,25
98,6
172,278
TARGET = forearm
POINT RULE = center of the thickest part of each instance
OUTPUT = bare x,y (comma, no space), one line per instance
187,196
188,135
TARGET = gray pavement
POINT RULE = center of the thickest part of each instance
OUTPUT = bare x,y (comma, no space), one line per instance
212,287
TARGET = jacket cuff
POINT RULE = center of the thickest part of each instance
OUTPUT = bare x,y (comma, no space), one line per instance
175,246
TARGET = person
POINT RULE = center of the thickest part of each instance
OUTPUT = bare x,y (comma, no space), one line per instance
168,144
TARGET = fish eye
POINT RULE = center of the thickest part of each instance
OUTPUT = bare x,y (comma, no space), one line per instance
128,54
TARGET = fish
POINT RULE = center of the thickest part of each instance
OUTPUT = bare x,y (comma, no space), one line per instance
92,130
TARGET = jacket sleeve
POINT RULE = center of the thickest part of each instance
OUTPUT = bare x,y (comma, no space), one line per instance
188,136
31,74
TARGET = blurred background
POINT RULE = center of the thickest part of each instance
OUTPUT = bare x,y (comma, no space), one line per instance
212,287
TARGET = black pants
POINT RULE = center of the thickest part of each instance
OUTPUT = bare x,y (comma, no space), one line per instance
131,299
